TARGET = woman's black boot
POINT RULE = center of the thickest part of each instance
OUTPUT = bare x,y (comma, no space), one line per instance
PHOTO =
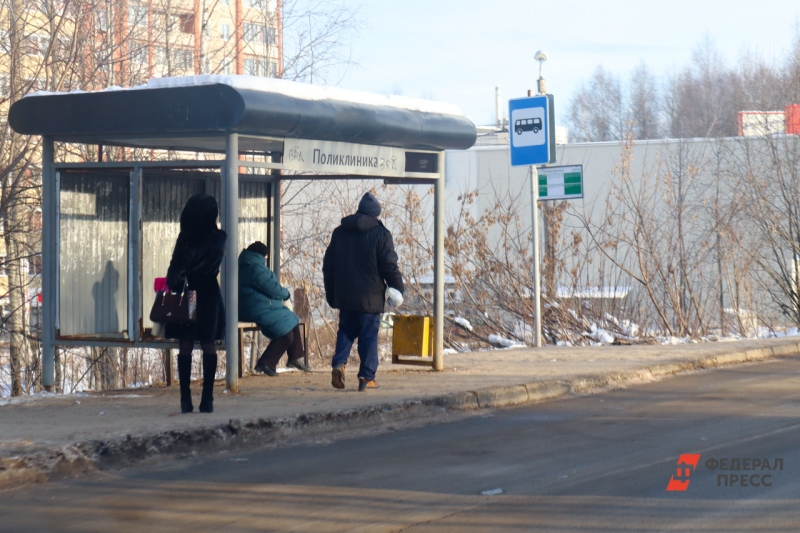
209,373
185,378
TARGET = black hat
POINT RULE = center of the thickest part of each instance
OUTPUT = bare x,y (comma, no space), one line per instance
369,205
259,248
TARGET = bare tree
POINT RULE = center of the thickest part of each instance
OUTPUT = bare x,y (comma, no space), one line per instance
644,104
595,112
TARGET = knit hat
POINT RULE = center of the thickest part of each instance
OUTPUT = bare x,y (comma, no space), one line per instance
369,205
259,248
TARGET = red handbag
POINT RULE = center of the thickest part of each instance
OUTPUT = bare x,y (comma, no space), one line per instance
174,307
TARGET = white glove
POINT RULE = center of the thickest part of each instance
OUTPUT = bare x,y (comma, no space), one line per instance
287,303
394,297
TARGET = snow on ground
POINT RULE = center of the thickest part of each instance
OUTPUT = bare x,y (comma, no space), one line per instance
601,335
505,343
463,322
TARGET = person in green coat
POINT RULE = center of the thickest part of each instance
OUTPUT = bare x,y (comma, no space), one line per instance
261,300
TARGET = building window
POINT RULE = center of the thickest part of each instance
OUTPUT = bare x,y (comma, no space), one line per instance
225,31
272,36
226,68
186,22
5,40
5,89
256,67
183,59
139,55
160,56
35,84
36,45
102,20
250,67
255,33
137,16
35,265
256,4
63,48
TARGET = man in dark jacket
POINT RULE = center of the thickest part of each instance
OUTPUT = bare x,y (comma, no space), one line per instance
359,264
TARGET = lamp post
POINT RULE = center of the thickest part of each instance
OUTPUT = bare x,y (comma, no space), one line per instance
541,57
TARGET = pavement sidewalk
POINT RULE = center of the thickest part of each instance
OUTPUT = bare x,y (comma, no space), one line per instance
46,437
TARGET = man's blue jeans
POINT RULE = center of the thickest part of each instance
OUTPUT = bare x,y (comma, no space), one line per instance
364,327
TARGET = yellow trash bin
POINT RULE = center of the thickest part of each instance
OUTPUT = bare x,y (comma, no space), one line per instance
413,340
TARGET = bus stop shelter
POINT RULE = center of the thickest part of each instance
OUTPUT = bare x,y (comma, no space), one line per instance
108,227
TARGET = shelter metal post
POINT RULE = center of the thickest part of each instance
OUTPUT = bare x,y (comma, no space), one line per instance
49,273
134,254
275,245
438,268
230,210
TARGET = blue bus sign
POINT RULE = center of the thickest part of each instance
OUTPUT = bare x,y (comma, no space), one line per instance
532,130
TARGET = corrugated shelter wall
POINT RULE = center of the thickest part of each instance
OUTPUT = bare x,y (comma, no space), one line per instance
163,199
94,253
94,241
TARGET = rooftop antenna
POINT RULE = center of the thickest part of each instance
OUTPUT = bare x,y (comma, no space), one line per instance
498,117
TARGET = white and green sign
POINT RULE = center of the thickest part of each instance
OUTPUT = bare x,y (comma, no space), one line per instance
561,183
346,158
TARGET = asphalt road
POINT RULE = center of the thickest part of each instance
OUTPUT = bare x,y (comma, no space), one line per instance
595,463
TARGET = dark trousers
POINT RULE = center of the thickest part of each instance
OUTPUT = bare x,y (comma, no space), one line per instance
292,342
364,327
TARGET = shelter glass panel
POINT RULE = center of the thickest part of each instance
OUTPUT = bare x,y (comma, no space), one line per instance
93,253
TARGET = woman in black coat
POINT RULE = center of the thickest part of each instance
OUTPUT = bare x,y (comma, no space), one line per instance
195,262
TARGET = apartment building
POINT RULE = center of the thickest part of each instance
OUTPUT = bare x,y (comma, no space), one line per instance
89,45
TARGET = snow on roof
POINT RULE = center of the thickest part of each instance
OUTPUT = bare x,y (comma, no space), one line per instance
294,89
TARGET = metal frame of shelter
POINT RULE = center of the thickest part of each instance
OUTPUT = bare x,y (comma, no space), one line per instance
222,119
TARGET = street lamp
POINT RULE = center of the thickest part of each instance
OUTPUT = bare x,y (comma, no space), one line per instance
541,57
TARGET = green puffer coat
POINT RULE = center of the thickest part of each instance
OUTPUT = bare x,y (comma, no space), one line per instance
261,297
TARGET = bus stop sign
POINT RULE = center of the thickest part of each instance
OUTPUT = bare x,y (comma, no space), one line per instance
532,130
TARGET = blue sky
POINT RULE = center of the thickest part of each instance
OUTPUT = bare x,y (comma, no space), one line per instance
458,50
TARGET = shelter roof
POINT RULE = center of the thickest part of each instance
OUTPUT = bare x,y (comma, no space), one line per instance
196,112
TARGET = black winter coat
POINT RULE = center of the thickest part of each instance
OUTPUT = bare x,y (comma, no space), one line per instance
196,259
359,264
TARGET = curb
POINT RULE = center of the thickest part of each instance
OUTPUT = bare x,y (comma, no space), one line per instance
70,461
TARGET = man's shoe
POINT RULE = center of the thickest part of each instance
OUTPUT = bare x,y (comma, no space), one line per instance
299,364
337,376
264,369
363,384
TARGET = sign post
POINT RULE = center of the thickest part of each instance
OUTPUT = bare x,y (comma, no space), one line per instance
532,142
